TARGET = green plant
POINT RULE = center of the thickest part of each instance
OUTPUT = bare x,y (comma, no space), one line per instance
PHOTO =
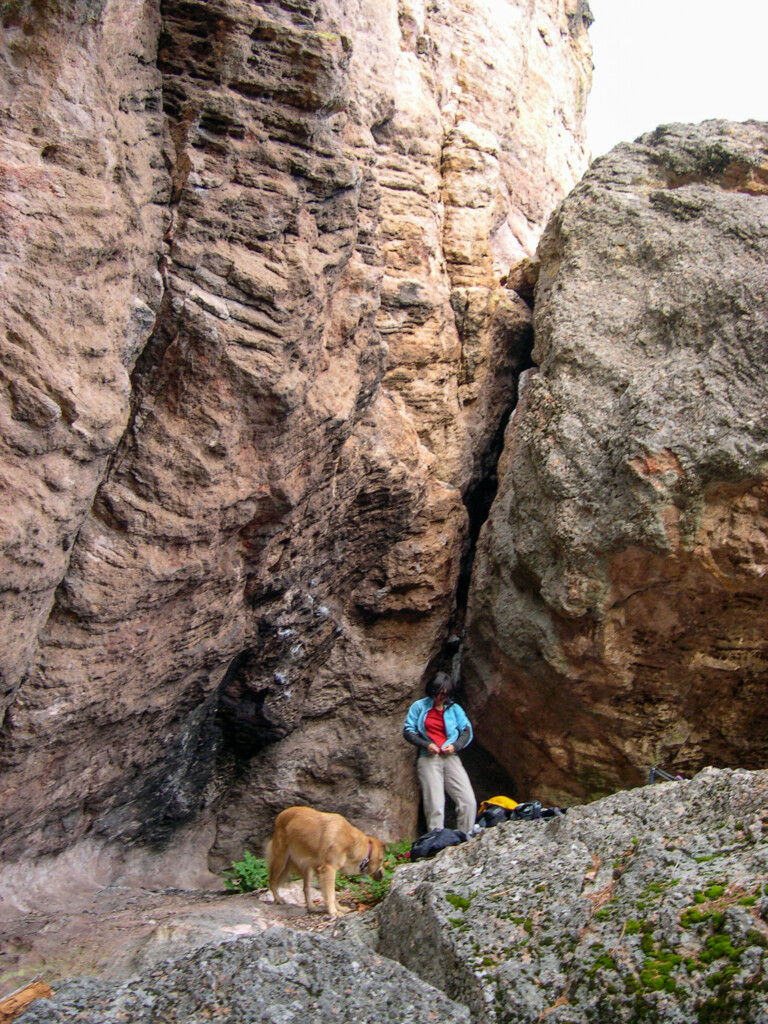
603,962
692,916
459,902
370,891
717,947
658,967
247,875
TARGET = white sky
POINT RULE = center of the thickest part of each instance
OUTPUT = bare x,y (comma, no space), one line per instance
658,61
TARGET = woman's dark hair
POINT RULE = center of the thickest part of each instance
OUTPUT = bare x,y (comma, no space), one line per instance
442,683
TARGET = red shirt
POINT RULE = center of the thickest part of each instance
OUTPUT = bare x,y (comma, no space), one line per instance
434,726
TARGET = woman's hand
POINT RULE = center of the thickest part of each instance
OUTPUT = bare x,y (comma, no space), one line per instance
447,749
433,749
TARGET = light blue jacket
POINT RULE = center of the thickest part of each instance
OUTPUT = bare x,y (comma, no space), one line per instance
454,718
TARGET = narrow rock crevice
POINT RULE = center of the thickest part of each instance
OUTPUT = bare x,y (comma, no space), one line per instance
479,497
487,774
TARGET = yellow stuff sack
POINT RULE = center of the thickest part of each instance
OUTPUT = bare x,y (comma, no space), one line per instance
498,801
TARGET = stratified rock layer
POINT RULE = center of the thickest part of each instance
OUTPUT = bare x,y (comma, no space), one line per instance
83,194
248,550
618,610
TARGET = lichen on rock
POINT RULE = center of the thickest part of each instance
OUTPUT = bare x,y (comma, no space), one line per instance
648,903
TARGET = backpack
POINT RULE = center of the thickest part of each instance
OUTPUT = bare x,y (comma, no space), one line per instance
529,811
498,801
533,810
492,815
435,840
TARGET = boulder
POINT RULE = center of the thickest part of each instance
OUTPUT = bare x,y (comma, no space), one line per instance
649,904
617,615
279,976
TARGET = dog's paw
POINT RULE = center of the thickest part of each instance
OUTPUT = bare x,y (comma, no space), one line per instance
339,911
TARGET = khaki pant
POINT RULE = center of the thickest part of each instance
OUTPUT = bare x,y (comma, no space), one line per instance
440,774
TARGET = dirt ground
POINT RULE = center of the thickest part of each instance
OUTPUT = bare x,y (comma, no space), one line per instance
115,931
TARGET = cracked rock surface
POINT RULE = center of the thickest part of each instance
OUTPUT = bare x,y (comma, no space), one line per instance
651,902
618,605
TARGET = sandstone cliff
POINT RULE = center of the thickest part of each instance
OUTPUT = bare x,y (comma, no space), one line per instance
618,607
256,353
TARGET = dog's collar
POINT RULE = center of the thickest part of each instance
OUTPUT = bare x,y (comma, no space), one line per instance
367,860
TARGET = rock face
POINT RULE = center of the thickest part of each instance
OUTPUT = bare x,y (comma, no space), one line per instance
82,198
256,354
281,976
647,905
650,904
617,616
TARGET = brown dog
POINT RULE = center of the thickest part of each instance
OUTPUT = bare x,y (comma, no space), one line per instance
305,840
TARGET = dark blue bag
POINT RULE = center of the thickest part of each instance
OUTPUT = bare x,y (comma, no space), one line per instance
436,840
493,815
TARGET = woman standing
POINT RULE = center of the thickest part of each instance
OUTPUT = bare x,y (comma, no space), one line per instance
440,729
